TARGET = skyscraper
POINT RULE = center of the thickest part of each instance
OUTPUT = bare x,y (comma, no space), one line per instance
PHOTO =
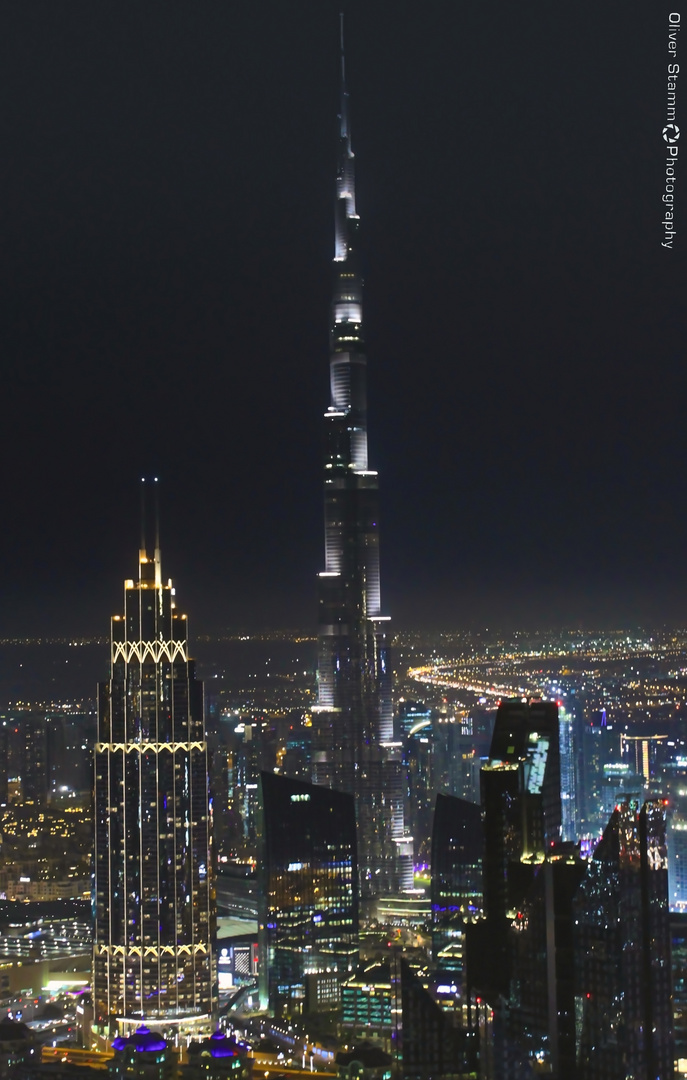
622,951
521,796
308,896
353,740
521,803
456,878
154,899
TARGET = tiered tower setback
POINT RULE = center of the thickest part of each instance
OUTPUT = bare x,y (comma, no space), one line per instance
154,900
354,733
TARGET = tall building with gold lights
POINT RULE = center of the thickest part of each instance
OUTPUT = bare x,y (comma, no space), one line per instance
154,895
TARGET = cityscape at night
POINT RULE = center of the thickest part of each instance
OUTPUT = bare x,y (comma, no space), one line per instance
389,780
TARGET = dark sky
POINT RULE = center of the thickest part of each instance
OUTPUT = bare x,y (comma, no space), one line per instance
167,229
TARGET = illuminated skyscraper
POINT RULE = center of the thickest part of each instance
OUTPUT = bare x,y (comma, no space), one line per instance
354,732
154,899
308,896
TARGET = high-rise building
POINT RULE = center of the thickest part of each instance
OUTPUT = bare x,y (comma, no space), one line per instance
600,747
539,1015
521,795
456,879
429,1045
623,951
521,804
677,851
154,893
308,894
353,736
25,760
567,731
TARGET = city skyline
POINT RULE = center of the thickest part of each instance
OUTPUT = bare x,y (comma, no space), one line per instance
527,329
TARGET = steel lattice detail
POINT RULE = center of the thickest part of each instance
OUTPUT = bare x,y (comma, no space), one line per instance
149,650
149,950
149,747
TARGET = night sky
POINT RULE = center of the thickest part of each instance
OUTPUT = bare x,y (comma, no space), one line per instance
167,229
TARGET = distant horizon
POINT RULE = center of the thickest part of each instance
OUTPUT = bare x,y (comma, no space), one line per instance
237,633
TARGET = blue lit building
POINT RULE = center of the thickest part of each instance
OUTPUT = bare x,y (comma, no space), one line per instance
308,894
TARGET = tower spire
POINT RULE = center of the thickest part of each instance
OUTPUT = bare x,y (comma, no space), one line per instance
343,114
353,740
346,217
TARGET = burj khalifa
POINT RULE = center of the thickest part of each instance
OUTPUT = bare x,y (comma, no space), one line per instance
353,727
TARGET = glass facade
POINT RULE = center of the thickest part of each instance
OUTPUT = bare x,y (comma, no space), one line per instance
154,895
308,894
353,734
624,1021
456,878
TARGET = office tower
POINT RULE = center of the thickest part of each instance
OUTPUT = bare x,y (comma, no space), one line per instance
600,747
154,895
539,1018
251,753
521,807
419,767
429,1045
623,951
677,851
27,755
456,879
678,950
308,894
71,737
520,795
570,818
353,730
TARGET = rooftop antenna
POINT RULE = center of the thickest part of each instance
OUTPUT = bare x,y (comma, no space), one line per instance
157,514
158,563
143,514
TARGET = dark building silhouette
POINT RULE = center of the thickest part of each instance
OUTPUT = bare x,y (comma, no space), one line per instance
429,1044
71,737
537,1022
521,784
154,897
678,949
456,890
353,730
308,894
623,951
24,740
521,807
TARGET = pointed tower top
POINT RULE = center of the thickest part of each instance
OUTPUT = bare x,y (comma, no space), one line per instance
343,114
150,569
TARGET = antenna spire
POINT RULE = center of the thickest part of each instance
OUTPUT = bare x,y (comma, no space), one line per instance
343,115
157,515
143,514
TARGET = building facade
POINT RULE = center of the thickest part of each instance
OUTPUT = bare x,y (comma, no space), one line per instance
456,879
353,736
308,894
624,1009
154,894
